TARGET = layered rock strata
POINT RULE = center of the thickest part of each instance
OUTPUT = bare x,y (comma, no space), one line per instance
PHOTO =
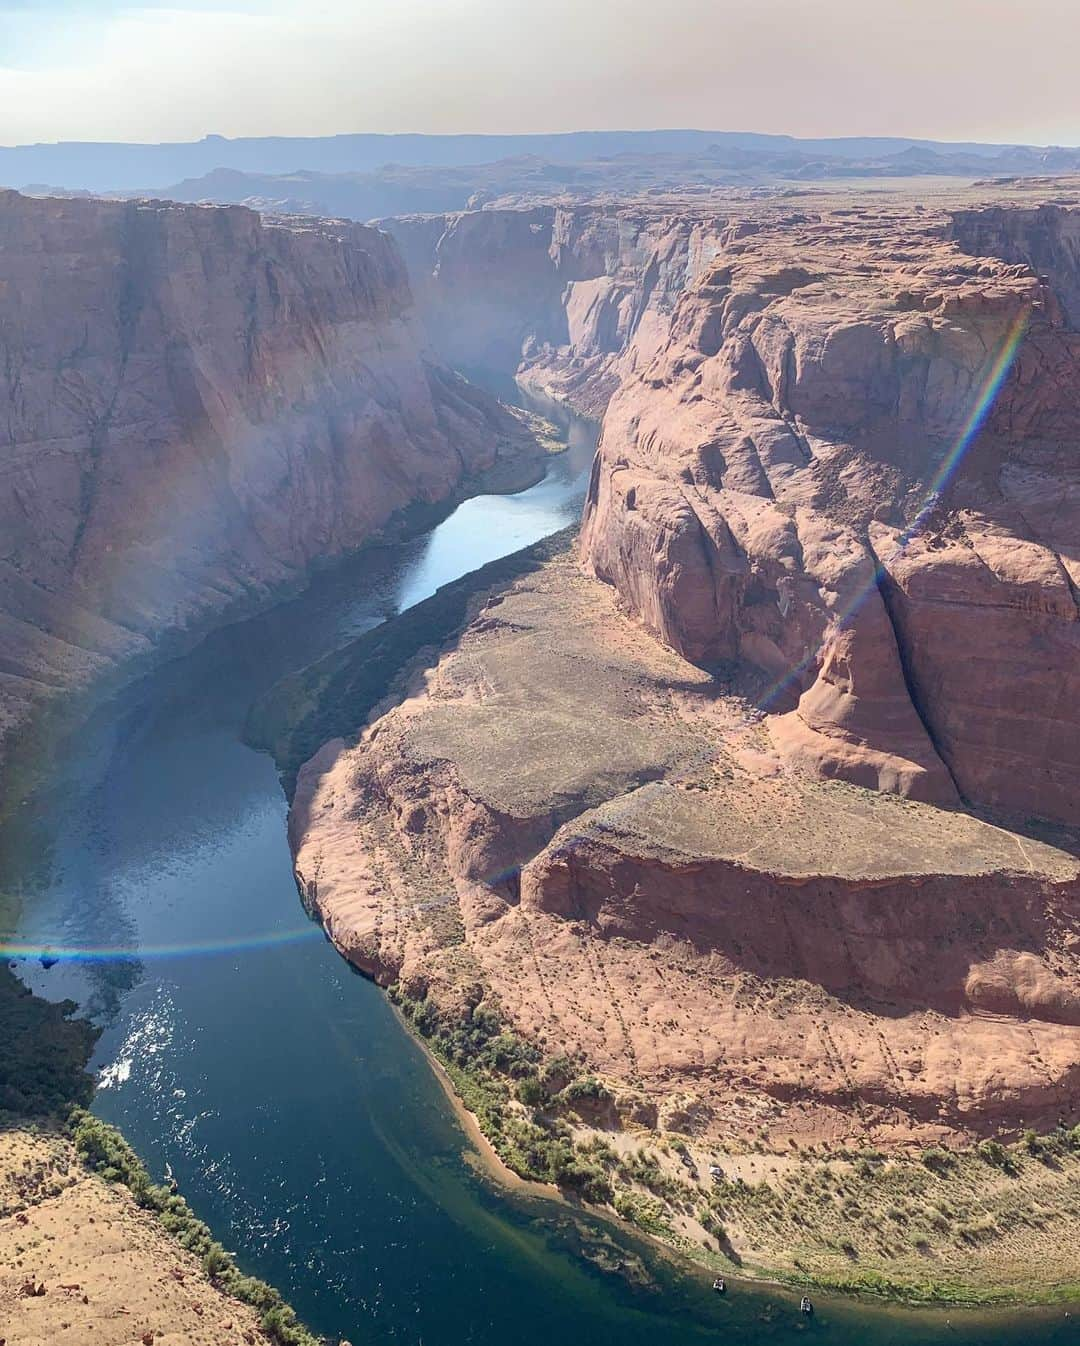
703,811
786,394
570,822
199,405
569,299
802,482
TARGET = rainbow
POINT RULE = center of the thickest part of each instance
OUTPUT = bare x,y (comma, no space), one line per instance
984,401
987,396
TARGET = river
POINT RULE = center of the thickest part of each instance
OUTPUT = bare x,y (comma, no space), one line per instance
300,1119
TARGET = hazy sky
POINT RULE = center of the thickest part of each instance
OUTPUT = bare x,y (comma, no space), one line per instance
949,69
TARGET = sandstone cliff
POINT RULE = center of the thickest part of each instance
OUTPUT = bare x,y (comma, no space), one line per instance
759,481
568,821
814,571
200,405
570,299
784,394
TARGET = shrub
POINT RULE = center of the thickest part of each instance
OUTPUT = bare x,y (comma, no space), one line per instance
600,1152
531,1092
589,1180
994,1153
587,1089
938,1160
644,1211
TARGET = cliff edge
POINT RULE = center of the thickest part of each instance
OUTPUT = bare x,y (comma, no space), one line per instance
751,828
200,405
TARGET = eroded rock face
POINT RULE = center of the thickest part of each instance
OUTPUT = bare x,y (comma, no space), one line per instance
698,812
781,392
565,819
569,298
199,405
763,495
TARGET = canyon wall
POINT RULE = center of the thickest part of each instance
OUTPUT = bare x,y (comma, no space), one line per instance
570,299
852,469
783,394
707,804
199,405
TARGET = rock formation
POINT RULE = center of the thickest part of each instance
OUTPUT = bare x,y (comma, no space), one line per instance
569,821
721,809
569,299
199,406
758,481
791,390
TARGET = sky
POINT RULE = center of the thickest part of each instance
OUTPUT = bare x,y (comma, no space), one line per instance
994,70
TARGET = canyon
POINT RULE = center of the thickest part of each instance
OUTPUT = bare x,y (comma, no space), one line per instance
744,822
753,815
200,406
783,397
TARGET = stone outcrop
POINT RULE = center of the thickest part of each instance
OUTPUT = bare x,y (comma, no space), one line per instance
199,405
773,491
702,810
567,820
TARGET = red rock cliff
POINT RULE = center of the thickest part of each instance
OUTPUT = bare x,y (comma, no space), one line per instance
198,404
831,533
756,479
569,298
782,390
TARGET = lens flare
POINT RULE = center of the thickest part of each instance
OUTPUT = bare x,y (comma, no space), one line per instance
969,431
49,952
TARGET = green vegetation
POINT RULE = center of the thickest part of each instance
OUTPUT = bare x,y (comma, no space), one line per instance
503,1083
991,1224
986,1225
43,1052
649,1214
106,1152
938,1160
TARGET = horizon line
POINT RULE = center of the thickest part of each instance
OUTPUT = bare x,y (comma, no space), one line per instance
213,136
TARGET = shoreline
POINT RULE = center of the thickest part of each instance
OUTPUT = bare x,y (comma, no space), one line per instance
32,752
486,1161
